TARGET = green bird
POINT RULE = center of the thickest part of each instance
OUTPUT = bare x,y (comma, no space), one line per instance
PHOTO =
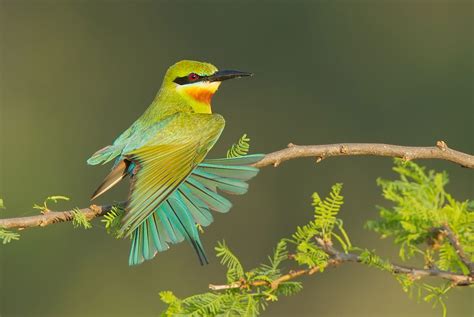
173,187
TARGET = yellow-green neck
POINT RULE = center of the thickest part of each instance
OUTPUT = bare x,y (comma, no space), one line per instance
194,98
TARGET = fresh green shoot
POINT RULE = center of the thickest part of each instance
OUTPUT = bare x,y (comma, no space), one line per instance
44,207
7,236
241,148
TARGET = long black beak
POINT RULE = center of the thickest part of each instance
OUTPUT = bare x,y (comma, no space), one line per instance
227,74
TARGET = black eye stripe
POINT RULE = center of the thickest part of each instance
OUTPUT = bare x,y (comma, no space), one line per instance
185,79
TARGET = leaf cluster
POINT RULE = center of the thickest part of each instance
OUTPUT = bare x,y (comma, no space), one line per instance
420,209
420,212
253,290
249,298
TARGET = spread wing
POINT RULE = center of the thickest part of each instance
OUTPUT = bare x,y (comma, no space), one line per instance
166,161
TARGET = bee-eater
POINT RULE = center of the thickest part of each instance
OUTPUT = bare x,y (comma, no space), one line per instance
172,187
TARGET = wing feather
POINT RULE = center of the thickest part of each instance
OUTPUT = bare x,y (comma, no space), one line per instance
165,161
161,173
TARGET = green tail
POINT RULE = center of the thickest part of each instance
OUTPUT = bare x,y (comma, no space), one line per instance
190,204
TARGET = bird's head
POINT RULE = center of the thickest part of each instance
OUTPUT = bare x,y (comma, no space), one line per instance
197,82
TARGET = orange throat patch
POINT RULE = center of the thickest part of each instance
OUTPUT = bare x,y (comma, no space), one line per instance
200,94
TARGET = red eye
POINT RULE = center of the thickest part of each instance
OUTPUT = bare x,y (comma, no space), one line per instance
193,77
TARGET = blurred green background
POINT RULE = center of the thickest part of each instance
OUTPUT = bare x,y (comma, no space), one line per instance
75,74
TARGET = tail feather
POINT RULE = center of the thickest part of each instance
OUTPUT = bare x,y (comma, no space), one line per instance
145,242
166,215
190,204
174,225
198,209
189,227
212,199
157,236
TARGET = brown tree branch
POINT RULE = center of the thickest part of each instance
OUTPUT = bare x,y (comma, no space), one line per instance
455,278
440,151
50,217
336,258
454,241
321,152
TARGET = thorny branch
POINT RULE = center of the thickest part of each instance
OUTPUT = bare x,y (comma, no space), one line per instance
336,258
320,152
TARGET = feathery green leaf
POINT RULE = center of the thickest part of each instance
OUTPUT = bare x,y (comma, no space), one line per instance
80,220
241,148
113,220
235,271
7,236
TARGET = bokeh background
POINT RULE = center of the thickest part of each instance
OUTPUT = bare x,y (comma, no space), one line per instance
75,74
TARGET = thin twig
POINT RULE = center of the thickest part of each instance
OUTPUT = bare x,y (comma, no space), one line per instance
336,258
274,284
440,151
415,273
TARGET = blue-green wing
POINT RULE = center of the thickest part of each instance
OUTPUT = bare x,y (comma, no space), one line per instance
136,136
166,161
190,204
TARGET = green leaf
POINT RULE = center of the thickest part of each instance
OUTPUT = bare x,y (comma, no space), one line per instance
280,255
8,236
113,221
56,198
371,259
408,226
235,271
174,304
251,308
311,255
289,288
80,220
241,148
168,297
326,210
44,208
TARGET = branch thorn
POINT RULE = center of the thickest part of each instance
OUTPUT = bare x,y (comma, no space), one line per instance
442,145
